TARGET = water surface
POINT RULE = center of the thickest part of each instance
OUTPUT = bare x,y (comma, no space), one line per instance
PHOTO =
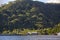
31,37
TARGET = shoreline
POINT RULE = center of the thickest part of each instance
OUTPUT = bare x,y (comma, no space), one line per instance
23,35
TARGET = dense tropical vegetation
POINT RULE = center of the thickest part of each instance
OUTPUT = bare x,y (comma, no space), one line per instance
22,16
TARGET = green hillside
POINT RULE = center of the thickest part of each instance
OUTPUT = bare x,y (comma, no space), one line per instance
28,14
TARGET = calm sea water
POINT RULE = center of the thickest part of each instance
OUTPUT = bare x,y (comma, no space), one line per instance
31,37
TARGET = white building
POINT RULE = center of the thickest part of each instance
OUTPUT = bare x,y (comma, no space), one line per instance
58,33
32,33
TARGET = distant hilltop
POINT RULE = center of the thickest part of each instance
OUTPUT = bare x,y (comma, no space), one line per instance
1,5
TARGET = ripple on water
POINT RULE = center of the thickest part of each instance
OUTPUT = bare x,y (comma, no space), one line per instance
31,37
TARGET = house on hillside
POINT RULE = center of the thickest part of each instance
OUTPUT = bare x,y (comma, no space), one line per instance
32,33
58,33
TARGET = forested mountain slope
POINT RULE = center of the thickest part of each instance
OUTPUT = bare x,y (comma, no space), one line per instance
29,14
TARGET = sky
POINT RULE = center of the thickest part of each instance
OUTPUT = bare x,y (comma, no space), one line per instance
46,1
53,1
41,0
6,1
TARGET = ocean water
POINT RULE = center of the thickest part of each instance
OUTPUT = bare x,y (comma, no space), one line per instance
31,37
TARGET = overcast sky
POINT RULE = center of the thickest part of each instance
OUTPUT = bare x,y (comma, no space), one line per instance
49,1
53,1
5,1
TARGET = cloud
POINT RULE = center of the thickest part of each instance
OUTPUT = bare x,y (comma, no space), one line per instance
0,2
53,1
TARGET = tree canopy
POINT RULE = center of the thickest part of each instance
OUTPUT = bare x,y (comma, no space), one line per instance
29,15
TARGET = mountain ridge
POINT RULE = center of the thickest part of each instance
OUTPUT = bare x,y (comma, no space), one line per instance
29,14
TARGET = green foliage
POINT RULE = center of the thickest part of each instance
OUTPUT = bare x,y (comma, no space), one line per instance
33,9
56,29
29,14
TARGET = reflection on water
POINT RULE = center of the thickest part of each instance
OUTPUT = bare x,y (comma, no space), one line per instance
31,37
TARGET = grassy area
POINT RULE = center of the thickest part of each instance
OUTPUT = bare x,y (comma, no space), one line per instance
45,31
25,31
